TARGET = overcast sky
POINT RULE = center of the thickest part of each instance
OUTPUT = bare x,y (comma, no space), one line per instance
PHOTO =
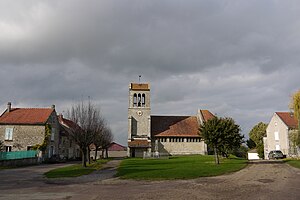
236,58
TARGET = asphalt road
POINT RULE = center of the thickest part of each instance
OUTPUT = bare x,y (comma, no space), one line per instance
260,180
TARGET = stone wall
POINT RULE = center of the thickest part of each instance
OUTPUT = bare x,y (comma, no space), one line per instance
182,148
24,136
20,162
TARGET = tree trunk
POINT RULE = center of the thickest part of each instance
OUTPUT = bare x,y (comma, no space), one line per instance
106,150
96,150
216,155
89,155
83,150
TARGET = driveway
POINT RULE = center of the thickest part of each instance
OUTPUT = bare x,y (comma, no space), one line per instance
260,180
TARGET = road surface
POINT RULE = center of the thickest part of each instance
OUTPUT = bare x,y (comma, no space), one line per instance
259,180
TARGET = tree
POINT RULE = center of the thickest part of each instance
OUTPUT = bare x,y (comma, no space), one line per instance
295,107
221,134
232,137
89,121
256,134
101,138
106,141
250,143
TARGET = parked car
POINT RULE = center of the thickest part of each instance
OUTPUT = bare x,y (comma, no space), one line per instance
276,154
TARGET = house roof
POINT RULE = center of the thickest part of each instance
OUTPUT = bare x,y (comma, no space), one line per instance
116,147
66,125
26,116
66,122
288,118
174,126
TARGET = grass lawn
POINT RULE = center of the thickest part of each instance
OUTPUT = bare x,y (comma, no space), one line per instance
294,163
179,167
75,170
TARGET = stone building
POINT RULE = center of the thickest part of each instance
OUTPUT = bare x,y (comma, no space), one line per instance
23,128
279,131
67,147
172,135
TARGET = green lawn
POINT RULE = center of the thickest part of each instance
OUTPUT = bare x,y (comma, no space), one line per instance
75,170
294,163
179,167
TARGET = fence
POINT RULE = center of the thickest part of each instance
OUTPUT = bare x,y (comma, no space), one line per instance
13,155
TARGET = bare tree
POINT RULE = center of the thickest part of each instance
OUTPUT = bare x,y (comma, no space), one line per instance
107,139
89,121
98,137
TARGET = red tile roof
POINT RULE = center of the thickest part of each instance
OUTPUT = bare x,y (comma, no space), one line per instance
139,143
174,126
140,86
116,147
26,116
206,115
288,118
66,122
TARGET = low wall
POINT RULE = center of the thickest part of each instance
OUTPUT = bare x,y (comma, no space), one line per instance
19,162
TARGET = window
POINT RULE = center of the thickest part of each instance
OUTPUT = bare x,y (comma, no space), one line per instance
139,100
143,100
276,135
8,148
134,100
277,147
29,148
51,152
52,134
8,133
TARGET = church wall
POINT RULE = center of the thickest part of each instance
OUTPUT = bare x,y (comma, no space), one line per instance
182,148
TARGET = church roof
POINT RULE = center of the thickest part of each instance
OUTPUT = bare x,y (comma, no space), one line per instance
206,115
140,86
174,126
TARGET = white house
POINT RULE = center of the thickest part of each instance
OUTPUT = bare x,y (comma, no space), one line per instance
281,126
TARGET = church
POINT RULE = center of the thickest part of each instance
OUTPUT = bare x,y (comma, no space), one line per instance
172,135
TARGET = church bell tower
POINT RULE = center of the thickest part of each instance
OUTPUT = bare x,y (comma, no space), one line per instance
139,120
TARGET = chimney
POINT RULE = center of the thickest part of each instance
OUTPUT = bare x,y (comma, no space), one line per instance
53,106
8,106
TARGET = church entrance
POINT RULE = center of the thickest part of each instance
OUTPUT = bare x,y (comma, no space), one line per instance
133,152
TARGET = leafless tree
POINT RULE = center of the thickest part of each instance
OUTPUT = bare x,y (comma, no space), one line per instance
102,140
89,122
107,139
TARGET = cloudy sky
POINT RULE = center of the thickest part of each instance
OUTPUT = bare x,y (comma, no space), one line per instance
236,58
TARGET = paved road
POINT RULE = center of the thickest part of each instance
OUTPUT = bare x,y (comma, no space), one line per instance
262,180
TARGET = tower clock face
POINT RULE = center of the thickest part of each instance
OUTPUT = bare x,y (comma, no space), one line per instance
140,113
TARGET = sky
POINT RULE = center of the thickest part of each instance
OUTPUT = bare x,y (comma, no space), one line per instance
238,59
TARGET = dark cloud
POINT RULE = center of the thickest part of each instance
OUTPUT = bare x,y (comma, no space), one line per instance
236,58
